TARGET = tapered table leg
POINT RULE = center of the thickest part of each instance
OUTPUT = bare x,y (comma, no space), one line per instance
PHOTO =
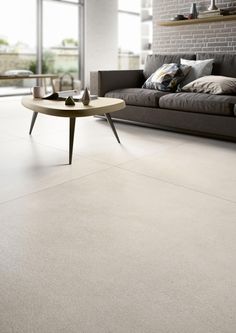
71,138
33,121
110,121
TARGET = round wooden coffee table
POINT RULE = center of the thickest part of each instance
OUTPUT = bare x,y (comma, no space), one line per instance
100,106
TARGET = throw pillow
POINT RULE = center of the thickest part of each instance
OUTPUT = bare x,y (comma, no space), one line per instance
199,68
167,77
212,84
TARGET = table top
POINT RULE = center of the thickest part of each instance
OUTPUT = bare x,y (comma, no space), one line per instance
30,76
58,108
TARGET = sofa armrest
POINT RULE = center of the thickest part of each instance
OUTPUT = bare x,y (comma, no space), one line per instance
103,81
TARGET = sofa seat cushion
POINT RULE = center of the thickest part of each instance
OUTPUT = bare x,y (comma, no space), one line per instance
137,96
197,102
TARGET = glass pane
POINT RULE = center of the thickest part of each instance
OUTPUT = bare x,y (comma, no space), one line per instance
146,30
131,6
60,40
17,44
129,41
135,33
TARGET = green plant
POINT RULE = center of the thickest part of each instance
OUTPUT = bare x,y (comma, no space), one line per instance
3,42
32,67
71,41
47,63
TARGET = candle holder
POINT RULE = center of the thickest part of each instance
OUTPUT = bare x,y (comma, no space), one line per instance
193,11
213,5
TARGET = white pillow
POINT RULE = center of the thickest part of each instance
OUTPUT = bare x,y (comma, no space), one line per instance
199,68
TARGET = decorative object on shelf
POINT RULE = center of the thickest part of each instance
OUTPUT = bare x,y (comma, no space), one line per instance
210,13
213,5
209,19
179,17
86,97
69,101
193,11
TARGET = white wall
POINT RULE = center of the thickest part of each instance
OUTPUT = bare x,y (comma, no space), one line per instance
101,36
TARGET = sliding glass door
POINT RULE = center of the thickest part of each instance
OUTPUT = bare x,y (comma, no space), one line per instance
61,40
40,36
17,43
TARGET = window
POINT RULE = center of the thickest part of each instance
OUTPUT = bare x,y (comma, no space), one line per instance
129,34
52,46
60,38
17,43
135,32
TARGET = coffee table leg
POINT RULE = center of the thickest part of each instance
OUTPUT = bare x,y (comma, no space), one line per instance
71,138
33,121
110,121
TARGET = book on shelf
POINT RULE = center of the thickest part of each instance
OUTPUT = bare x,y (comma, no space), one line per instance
217,12
211,11
229,10
208,16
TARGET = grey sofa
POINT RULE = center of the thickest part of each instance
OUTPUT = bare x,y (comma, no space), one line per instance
193,113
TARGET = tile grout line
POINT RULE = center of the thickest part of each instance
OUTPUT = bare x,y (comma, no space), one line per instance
178,185
84,155
118,166
153,153
54,186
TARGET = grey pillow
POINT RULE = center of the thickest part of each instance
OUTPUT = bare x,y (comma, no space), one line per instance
199,68
212,84
167,77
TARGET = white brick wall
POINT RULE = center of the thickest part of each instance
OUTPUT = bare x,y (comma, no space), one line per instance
213,37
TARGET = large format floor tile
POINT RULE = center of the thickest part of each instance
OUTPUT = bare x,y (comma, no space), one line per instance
137,237
201,164
134,255
27,166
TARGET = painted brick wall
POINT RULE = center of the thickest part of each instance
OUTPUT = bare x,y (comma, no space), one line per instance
213,37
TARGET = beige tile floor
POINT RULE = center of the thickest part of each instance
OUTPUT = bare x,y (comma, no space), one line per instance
138,237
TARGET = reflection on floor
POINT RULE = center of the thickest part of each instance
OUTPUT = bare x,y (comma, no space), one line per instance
137,237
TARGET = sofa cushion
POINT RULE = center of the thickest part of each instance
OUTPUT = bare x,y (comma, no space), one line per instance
197,102
155,61
212,84
137,96
167,77
224,63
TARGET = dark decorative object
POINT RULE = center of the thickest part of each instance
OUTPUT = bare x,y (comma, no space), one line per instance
179,17
212,5
70,101
193,11
86,97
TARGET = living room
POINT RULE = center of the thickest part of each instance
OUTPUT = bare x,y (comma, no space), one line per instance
122,222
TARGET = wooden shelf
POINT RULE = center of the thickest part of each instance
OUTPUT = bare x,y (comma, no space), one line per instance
197,21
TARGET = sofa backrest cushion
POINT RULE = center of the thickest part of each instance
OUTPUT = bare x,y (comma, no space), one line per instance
224,63
155,61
